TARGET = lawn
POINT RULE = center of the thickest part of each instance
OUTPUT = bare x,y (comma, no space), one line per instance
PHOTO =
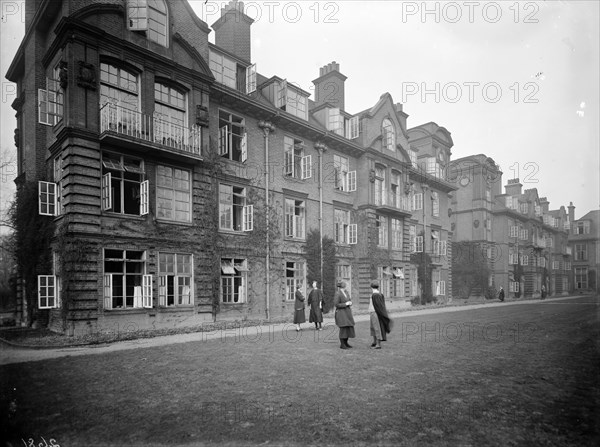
513,375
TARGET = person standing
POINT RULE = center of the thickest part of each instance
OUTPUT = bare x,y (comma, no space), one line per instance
381,324
501,294
299,316
543,291
315,301
343,315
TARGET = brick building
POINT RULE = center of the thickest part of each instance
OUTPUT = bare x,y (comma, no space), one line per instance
181,183
584,242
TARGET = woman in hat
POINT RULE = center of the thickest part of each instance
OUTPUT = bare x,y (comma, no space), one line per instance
381,324
299,316
315,301
343,315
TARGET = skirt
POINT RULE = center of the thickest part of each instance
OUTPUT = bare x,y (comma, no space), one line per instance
375,326
347,332
299,316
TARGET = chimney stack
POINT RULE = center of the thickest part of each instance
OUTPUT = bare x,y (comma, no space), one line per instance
329,86
544,204
232,31
571,212
513,187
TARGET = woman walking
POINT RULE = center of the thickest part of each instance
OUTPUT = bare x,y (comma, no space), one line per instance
381,324
299,316
343,315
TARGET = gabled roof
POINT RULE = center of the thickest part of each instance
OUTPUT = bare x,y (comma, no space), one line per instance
431,129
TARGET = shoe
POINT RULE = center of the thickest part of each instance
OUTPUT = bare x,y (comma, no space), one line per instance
373,345
348,346
343,347
377,347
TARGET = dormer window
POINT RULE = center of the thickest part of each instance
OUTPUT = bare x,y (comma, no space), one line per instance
149,16
389,134
291,101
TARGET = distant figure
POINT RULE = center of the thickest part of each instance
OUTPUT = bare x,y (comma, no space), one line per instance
315,301
501,294
543,291
343,315
381,324
299,316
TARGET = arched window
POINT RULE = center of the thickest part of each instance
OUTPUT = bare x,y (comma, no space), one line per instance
118,86
389,134
157,22
170,125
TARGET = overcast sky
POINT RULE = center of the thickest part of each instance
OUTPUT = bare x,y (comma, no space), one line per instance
518,81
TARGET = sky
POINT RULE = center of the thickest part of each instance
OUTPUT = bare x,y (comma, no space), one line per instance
517,81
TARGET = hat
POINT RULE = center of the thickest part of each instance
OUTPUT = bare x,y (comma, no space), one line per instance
375,284
341,284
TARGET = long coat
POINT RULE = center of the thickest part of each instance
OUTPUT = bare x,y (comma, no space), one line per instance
384,320
315,298
299,316
343,313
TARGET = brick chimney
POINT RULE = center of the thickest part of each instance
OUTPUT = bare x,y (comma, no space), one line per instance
513,187
544,204
571,212
232,31
329,86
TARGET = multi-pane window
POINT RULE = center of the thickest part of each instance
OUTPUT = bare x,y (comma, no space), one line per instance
413,157
524,234
549,242
524,207
344,273
335,121
295,215
568,265
173,194
435,204
58,179
435,242
389,134
581,277
234,213
438,285
291,101
583,227
294,276
513,258
124,188
524,259
396,189
419,244
126,284
417,201
396,234
488,195
345,180
580,252
352,128
379,186
234,280
149,16
381,224
50,101
555,265
412,234
514,231
232,137
169,109
175,279
223,68
513,286
119,88
297,165
344,232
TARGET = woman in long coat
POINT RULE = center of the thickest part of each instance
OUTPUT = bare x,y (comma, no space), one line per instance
315,301
299,316
343,315
381,324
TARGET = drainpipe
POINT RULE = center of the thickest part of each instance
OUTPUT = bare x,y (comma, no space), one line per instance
424,188
320,147
267,127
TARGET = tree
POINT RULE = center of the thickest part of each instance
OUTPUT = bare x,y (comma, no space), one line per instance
424,275
470,270
313,265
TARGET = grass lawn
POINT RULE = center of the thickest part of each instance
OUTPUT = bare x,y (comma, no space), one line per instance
512,375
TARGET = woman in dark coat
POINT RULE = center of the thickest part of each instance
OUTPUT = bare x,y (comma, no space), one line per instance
381,324
315,301
343,315
299,316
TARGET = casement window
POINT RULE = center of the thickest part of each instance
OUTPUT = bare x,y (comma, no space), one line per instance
580,252
344,273
583,227
345,180
124,190
48,199
234,213
443,248
344,232
524,260
513,286
396,234
126,284
567,224
296,164
175,279
524,207
508,202
170,118
295,216
119,88
223,69
514,231
233,140
417,201
413,157
335,121
58,179
488,195
396,189
234,280
388,134
435,242
515,203
379,186
513,258
419,246
47,292
581,278
555,265
381,223
568,266
251,79
291,101
435,204
352,128
412,234
542,262
537,210
555,222
438,285
50,103
550,242
294,275
173,194
150,16
524,234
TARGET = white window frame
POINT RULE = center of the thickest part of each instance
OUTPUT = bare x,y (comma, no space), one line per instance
396,234
514,231
435,204
47,199
419,244
388,133
232,268
175,191
50,103
181,279
352,128
47,292
335,121
417,201
381,222
227,136
140,300
295,218
251,79
293,281
137,15
345,180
